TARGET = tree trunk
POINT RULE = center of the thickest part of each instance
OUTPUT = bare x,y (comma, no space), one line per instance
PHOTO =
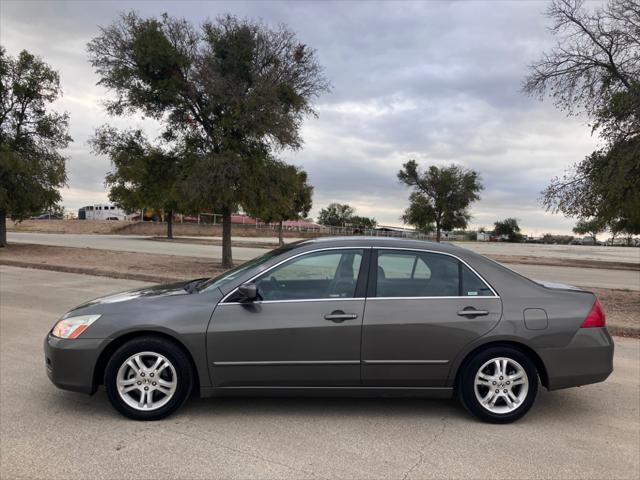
169,217
3,228
438,232
280,239
227,259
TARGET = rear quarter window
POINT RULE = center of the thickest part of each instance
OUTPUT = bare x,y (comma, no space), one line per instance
472,286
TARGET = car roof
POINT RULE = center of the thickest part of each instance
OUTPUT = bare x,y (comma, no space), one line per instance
371,241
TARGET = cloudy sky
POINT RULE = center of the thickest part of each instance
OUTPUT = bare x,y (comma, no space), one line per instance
438,82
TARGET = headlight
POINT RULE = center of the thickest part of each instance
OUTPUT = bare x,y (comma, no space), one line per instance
73,326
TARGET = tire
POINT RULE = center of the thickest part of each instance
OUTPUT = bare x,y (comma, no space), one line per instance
148,378
477,390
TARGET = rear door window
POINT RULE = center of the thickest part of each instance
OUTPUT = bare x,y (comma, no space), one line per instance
416,274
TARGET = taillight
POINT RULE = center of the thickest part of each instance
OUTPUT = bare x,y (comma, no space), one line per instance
596,316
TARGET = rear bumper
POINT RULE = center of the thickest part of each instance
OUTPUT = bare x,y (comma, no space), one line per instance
587,359
70,363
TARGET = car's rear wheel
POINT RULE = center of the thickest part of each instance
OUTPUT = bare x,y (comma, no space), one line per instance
148,378
499,384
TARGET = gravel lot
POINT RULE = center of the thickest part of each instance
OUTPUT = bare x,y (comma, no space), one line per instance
590,432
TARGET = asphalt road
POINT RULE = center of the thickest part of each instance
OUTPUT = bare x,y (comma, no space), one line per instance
586,277
590,432
131,243
567,252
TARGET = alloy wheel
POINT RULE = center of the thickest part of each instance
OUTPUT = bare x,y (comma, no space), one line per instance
146,381
501,385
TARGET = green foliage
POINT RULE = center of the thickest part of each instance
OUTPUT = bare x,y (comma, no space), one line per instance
336,215
508,227
143,176
281,193
363,222
441,196
31,135
591,227
343,215
420,213
550,238
228,92
605,187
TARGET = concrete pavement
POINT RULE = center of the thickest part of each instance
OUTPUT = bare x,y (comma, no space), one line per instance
589,432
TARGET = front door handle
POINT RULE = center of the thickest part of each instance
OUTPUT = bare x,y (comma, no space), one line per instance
472,312
338,316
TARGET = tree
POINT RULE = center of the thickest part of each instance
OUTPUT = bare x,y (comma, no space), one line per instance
595,69
508,227
420,213
230,91
363,222
592,227
440,196
281,193
595,55
143,175
31,135
336,215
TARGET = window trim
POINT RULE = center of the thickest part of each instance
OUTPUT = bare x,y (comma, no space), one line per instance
373,277
364,268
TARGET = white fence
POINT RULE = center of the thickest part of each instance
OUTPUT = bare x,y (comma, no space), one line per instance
248,222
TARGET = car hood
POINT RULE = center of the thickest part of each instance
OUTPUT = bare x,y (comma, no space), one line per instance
137,295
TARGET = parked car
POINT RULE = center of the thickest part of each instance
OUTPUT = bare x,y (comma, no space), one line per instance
440,321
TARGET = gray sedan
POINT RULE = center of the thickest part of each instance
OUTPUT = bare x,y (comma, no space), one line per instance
337,316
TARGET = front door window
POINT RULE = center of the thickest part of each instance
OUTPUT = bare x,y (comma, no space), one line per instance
320,275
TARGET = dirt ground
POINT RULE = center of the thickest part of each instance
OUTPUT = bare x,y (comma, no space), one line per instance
64,226
109,263
564,262
621,306
146,228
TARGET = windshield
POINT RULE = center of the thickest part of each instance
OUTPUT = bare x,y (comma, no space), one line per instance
216,282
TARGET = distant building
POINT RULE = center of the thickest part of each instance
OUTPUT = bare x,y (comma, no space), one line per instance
101,211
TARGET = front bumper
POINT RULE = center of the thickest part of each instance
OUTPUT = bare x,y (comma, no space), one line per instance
71,364
587,359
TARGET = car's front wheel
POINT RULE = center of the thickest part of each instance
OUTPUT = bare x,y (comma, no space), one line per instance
499,384
148,378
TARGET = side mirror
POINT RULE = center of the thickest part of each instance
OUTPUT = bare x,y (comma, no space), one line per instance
249,291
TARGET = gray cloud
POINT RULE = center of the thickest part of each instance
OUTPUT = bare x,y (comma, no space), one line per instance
435,81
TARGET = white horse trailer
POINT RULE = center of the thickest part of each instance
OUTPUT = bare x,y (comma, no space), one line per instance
101,211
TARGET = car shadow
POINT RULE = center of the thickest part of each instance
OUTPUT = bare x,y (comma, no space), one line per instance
549,406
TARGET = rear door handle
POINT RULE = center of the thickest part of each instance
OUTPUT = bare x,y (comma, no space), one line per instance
339,316
472,313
